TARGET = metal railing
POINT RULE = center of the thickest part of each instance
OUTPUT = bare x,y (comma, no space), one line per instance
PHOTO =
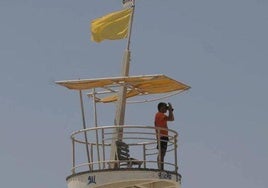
141,140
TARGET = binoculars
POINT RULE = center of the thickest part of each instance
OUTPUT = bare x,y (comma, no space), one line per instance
169,108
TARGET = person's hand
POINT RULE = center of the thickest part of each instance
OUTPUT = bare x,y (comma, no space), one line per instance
170,108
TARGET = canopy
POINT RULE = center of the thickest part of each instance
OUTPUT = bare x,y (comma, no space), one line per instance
136,85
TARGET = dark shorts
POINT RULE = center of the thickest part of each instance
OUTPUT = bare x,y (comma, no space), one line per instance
163,143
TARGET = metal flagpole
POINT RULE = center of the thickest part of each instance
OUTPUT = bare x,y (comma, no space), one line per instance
121,102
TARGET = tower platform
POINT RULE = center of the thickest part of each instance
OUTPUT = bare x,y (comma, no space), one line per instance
134,165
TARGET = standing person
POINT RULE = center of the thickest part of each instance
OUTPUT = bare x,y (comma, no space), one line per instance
162,134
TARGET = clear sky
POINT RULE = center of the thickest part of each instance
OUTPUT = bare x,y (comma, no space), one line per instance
219,48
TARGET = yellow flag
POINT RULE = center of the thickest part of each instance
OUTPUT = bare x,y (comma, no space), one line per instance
112,26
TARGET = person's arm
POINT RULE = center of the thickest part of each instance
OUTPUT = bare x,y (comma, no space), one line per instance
170,113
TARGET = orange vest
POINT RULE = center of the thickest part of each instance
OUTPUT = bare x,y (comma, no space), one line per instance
161,121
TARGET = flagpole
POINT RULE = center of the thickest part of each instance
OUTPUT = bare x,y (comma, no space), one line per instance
121,102
120,113
130,26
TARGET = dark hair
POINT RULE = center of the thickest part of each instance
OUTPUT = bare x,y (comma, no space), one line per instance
160,105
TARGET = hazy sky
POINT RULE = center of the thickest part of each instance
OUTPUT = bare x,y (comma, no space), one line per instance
219,48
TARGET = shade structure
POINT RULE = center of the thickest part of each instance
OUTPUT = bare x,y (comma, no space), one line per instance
136,85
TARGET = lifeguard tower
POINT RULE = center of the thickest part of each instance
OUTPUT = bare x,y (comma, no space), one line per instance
109,152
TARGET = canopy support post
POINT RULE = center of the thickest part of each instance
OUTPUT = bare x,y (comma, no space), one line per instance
96,124
84,127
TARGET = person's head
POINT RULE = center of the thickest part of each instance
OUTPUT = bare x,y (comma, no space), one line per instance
162,107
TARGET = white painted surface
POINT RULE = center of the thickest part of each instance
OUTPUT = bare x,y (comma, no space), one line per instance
123,178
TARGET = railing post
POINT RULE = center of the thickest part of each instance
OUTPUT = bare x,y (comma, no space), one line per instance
73,154
144,156
159,160
91,153
103,148
176,156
